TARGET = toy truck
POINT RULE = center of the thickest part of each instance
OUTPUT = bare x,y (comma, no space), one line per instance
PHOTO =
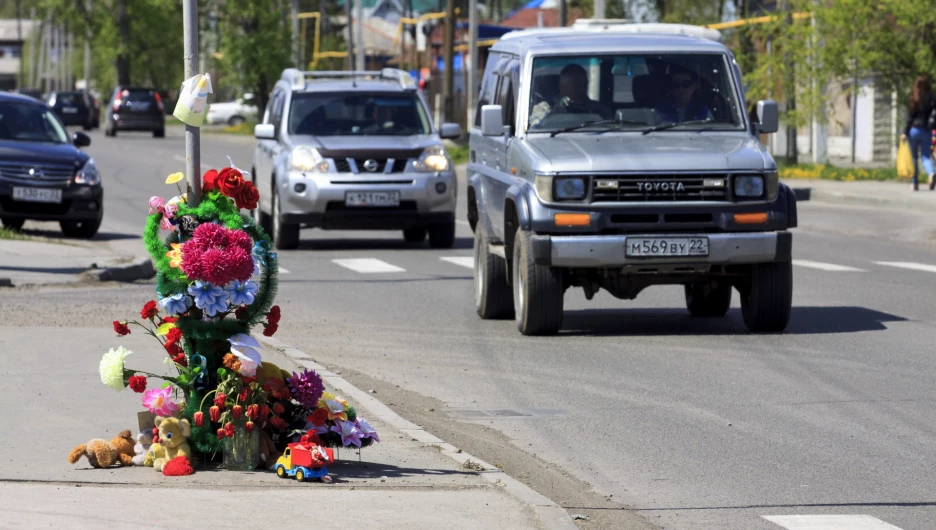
304,461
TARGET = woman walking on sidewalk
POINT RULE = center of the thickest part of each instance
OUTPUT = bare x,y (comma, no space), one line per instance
919,129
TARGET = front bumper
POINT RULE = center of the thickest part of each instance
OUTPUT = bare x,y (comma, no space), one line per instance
79,203
594,251
321,203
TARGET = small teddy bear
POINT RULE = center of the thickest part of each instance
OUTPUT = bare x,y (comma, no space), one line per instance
101,453
142,447
173,434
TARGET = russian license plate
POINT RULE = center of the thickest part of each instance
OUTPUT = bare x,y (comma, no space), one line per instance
69,110
372,198
666,247
37,195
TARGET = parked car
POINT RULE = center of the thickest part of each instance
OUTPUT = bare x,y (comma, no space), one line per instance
94,109
135,109
617,161
43,174
232,112
71,108
353,151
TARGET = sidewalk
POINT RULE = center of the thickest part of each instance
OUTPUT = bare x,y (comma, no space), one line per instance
54,401
894,195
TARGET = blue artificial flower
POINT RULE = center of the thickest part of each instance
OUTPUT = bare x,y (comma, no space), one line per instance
262,251
242,292
176,304
206,294
219,305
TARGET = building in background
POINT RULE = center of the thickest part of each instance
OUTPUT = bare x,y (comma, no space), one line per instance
11,50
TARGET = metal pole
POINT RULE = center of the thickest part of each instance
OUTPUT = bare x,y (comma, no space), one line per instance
563,14
349,6
87,55
359,22
295,34
42,59
854,116
449,74
192,137
474,63
71,62
33,45
599,9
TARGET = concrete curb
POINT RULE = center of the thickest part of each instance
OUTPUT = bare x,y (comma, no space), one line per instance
839,197
138,269
551,514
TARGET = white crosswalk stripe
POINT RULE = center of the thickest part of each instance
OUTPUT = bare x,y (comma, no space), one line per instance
831,267
829,522
908,265
367,265
464,261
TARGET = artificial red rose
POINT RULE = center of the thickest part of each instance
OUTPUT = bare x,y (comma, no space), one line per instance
264,410
199,419
229,429
174,336
210,180
214,413
278,408
230,181
138,384
247,197
318,417
273,317
219,399
121,328
249,426
278,423
149,310
243,396
236,411
270,329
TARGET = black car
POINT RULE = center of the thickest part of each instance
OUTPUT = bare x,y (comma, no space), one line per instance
43,174
71,108
31,92
135,109
94,109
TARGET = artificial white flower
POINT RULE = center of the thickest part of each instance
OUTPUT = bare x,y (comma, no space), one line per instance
246,349
112,368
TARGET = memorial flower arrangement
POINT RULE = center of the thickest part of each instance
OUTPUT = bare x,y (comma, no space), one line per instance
216,281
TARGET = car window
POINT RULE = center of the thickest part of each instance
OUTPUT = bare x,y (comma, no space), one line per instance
488,85
344,114
506,95
28,123
69,99
139,95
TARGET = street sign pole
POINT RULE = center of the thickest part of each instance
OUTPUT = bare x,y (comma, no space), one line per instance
192,136
448,77
474,63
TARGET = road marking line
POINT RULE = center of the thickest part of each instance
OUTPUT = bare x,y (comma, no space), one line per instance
466,261
829,522
908,265
283,271
825,266
367,265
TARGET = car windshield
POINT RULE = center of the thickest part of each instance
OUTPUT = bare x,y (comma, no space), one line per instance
633,91
320,114
30,123
71,99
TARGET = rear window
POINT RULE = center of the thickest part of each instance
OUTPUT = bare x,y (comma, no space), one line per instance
69,98
139,95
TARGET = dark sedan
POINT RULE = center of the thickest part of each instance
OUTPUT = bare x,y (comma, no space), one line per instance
71,108
43,174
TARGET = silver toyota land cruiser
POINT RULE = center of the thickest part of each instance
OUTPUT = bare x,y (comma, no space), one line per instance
619,161
353,151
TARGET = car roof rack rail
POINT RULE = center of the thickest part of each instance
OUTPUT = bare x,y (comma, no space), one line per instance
297,78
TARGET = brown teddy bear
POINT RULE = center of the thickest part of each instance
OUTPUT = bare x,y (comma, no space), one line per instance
173,434
102,453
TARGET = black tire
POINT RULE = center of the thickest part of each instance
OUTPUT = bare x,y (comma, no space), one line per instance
263,220
416,234
86,127
110,131
538,291
493,295
711,299
160,133
236,120
80,229
442,235
285,236
12,223
767,301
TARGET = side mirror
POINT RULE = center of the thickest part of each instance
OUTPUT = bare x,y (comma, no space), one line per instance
492,120
768,116
265,131
80,139
450,131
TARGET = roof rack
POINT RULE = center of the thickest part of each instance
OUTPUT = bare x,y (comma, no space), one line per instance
584,26
297,78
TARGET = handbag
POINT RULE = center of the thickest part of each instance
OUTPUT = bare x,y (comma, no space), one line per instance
904,161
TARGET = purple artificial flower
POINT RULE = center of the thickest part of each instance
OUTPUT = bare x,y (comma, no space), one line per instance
350,434
306,388
366,429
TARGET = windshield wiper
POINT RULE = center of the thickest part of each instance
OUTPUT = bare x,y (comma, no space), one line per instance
594,123
671,124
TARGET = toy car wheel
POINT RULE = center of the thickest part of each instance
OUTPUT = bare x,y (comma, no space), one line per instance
280,471
300,476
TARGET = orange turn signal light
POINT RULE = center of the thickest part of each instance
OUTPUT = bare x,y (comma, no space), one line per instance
750,218
572,219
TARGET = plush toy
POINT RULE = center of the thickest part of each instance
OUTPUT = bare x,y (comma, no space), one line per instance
178,467
102,453
142,449
268,452
173,434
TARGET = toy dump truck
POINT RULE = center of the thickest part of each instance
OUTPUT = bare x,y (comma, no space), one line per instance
304,461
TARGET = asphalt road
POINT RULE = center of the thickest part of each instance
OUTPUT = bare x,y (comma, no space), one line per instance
691,423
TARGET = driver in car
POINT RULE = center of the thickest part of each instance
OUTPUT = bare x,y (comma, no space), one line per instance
685,101
384,120
573,97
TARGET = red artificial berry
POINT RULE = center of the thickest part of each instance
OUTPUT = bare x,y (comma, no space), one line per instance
220,434
278,408
264,410
214,413
243,396
249,426
236,411
199,419
229,429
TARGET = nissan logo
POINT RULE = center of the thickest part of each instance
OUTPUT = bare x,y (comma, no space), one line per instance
371,165
37,173
661,186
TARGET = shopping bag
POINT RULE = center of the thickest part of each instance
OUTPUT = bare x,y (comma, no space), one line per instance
193,100
904,161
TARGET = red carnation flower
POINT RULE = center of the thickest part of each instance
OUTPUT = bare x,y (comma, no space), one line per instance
273,317
269,329
278,408
174,350
230,181
138,384
218,255
121,328
240,311
169,320
318,417
210,180
174,336
149,310
181,360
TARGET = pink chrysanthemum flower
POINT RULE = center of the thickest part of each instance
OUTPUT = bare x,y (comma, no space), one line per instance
217,255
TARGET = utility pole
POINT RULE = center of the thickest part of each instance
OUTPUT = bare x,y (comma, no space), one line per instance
87,52
349,7
192,134
359,21
563,13
42,60
295,34
599,9
449,74
473,64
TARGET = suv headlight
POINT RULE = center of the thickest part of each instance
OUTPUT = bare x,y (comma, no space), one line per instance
308,159
570,188
88,175
749,186
432,159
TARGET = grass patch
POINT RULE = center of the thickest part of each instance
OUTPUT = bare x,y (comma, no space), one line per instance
243,129
828,172
14,235
459,154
